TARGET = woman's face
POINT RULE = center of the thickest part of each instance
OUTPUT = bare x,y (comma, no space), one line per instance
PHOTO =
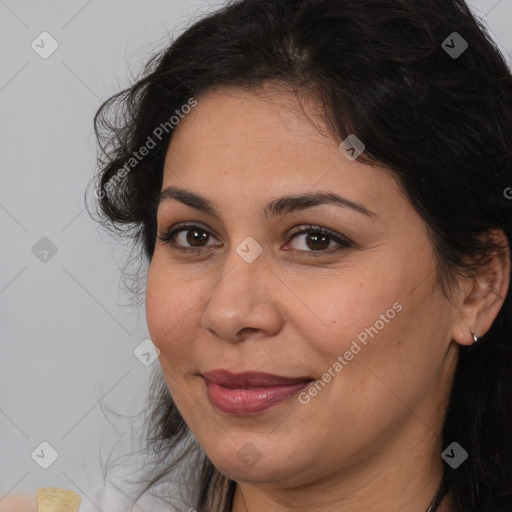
358,310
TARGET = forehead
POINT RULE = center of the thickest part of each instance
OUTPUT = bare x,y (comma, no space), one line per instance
246,143
251,120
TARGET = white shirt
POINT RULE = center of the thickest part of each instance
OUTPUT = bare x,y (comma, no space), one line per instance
106,498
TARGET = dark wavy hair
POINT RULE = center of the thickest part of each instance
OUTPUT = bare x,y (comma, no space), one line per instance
442,125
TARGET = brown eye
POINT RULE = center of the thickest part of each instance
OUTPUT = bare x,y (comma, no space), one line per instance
317,239
186,238
195,237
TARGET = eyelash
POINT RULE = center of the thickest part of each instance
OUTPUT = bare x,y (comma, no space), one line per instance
167,238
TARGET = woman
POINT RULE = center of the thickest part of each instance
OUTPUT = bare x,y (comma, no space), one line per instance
321,189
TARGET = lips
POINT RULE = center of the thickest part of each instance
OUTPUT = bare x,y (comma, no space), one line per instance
249,380
250,392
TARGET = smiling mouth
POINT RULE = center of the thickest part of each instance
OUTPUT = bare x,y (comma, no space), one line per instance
251,380
250,392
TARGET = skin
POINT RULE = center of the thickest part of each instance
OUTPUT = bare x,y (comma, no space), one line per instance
369,440
19,502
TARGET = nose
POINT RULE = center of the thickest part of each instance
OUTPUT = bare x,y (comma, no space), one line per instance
244,301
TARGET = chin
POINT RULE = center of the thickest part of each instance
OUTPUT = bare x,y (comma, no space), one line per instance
243,468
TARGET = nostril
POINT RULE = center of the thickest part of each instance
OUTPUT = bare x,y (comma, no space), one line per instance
247,329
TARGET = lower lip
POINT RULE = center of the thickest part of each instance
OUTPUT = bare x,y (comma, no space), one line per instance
250,401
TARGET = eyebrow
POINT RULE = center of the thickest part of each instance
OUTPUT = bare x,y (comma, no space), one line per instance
280,206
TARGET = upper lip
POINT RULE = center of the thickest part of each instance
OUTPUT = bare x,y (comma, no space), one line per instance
250,379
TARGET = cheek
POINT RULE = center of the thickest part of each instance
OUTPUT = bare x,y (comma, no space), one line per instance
171,313
371,321
332,316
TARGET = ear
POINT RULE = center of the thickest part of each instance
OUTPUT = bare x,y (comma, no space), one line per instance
482,297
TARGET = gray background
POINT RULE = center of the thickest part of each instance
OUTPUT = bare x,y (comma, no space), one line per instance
68,333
